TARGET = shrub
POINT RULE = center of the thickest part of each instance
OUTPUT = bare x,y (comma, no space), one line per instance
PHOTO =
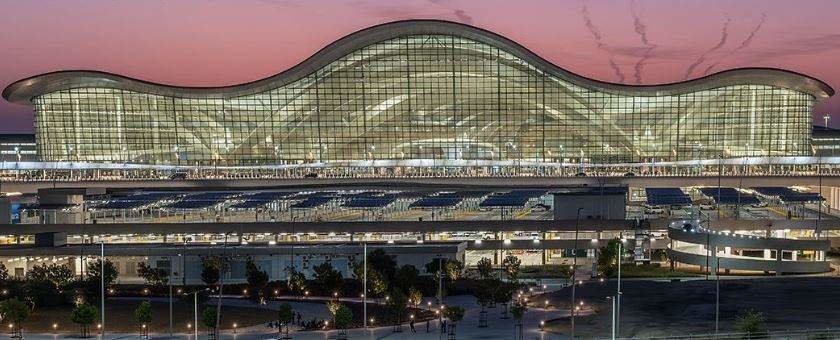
751,322
15,311
485,268
84,315
343,317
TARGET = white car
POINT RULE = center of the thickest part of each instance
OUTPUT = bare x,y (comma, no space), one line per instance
707,207
655,211
760,205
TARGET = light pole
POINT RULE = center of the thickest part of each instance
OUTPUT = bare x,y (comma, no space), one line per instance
170,295
364,285
195,309
618,288
717,293
612,332
826,118
195,314
440,280
102,282
574,271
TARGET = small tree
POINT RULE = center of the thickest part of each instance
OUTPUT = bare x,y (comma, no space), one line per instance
257,280
751,322
84,315
485,268
15,311
155,277
296,281
484,296
511,264
4,273
285,316
377,283
343,319
455,314
608,258
58,275
397,305
406,277
210,270
95,268
208,318
333,307
415,297
143,316
503,294
327,278
518,311
382,262
436,266
453,269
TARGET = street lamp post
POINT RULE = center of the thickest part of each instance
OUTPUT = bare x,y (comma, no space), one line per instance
717,293
170,295
618,288
612,333
364,285
195,314
440,280
574,271
102,283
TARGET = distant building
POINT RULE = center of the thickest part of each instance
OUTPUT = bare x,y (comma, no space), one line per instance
826,141
18,148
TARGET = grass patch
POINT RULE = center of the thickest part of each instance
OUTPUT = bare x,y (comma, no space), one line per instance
545,271
651,270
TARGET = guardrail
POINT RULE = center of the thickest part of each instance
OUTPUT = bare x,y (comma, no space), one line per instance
810,334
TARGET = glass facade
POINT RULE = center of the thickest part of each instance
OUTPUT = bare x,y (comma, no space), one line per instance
423,100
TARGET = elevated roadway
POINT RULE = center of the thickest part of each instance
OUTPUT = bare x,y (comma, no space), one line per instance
29,187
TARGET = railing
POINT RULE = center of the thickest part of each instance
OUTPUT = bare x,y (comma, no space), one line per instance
810,334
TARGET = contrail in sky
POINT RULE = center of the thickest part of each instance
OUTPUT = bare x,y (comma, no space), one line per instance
598,38
641,30
744,44
724,34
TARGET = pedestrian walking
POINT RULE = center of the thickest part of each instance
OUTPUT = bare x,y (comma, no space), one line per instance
428,326
411,326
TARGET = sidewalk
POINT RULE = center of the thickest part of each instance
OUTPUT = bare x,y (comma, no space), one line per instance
466,329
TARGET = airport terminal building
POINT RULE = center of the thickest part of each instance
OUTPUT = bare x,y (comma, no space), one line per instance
415,94
429,98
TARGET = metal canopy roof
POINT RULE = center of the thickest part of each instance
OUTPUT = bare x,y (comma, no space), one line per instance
24,90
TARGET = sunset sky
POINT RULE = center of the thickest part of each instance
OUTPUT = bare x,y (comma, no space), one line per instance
215,42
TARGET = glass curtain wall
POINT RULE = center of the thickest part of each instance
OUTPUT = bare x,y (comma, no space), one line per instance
429,99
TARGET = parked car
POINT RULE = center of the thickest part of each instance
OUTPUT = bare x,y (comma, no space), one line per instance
580,174
178,175
629,174
707,207
541,207
311,175
654,211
